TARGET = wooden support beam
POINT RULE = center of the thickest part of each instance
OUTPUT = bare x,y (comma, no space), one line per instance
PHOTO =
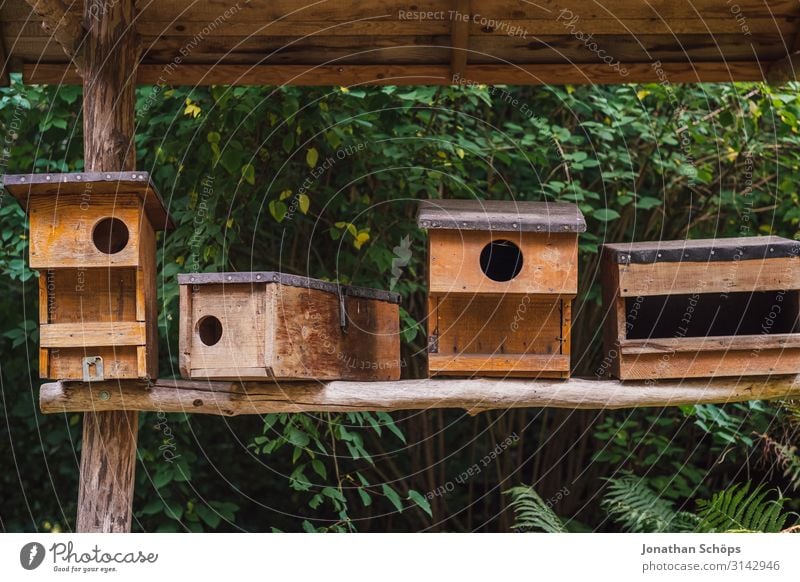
108,458
459,35
474,396
349,75
62,25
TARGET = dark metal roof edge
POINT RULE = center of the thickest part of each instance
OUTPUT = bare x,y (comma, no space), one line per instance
267,277
768,250
577,226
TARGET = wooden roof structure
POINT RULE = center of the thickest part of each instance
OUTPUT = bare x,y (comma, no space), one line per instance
346,42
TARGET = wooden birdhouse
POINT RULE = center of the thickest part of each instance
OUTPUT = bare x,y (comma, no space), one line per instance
502,277
268,325
701,308
92,239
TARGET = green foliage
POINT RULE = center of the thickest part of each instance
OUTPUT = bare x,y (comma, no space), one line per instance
321,182
633,504
532,513
738,509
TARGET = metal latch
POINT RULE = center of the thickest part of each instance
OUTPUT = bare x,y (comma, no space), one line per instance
92,369
342,312
433,344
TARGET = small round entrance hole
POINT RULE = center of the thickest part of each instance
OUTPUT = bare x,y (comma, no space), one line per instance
501,260
110,235
209,328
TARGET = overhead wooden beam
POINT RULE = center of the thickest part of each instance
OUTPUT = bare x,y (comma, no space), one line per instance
787,68
65,26
348,75
108,456
474,396
459,37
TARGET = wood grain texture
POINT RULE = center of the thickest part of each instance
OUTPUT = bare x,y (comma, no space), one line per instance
459,36
498,324
108,456
714,344
710,364
64,26
478,395
549,262
709,277
61,229
90,334
353,75
496,364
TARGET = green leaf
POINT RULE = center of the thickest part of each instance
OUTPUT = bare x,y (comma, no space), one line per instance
249,174
278,210
366,498
392,495
209,516
417,498
605,214
304,203
311,157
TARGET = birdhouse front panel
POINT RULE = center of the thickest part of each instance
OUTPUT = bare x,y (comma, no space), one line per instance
250,326
702,308
502,277
92,238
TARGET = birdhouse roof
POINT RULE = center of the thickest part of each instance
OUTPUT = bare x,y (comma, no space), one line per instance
268,277
25,186
703,250
501,215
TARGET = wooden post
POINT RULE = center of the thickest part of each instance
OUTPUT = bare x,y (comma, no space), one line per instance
108,459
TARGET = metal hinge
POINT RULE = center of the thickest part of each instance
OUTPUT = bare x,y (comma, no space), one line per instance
92,369
342,313
433,344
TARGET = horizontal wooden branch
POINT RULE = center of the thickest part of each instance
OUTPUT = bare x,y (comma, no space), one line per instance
64,26
474,396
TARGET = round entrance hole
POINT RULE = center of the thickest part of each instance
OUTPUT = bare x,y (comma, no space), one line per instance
209,328
110,236
501,260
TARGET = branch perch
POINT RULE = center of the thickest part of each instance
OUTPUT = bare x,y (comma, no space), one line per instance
474,396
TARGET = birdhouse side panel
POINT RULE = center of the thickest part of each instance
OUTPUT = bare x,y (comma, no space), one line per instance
75,231
460,260
309,340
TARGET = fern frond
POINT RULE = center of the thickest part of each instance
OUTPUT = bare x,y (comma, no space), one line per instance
739,509
786,458
532,513
630,502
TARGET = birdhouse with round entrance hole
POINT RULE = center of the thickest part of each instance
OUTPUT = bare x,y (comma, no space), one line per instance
92,239
502,277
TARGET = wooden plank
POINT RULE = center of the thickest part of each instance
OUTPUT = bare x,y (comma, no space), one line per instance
92,333
711,364
474,396
186,309
549,263
352,75
478,364
44,312
709,277
108,455
460,16
498,324
119,363
710,344
614,324
500,215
